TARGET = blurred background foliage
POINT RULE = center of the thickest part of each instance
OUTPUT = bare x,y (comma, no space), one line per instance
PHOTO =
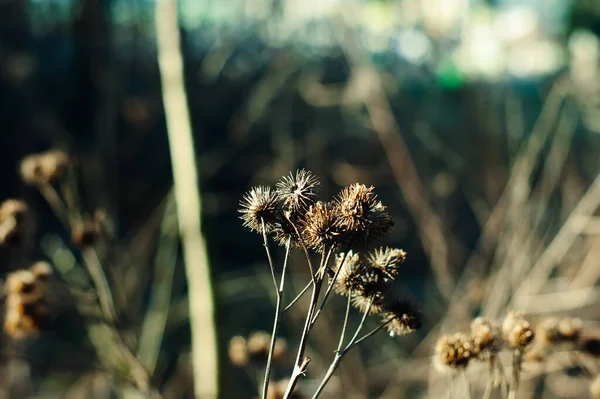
274,85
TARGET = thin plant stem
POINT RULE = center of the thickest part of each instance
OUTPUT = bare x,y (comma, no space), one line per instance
467,385
329,289
503,381
490,385
516,371
266,245
56,203
300,363
297,297
205,359
372,332
105,297
90,257
153,327
339,354
277,320
343,333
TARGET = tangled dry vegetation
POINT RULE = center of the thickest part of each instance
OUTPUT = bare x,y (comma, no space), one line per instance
494,358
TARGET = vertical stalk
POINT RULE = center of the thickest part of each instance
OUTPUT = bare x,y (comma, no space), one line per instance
186,188
278,312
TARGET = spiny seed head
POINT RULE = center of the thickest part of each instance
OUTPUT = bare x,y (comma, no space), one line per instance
258,344
401,315
486,336
552,331
44,167
289,229
24,316
20,282
362,300
238,351
348,279
41,271
259,205
280,350
85,235
362,215
371,287
13,221
320,230
387,260
517,331
298,192
453,352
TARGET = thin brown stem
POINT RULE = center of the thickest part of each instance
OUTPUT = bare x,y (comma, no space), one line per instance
277,320
301,362
329,289
516,374
297,297
266,245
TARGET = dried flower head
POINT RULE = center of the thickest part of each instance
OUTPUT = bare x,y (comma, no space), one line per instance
85,235
24,316
44,167
552,331
258,344
21,282
517,331
258,206
387,260
401,315
453,352
486,335
13,221
364,285
289,229
298,193
41,271
362,215
280,350
369,296
25,308
238,351
320,230
348,279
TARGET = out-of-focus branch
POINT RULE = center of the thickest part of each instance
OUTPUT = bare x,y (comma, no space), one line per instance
186,188
372,94
160,297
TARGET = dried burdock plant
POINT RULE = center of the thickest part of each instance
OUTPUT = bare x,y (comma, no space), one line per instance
453,353
26,313
298,192
400,316
44,167
364,218
86,234
238,351
356,220
259,209
14,221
